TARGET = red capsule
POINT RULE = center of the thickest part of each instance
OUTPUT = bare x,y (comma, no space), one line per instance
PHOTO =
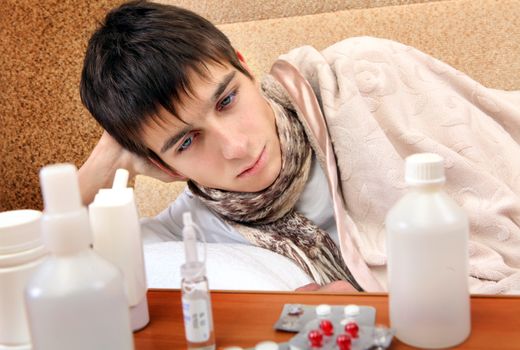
343,341
316,338
352,328
327,327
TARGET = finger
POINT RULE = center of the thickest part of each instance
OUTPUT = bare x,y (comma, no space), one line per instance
337,286
308,287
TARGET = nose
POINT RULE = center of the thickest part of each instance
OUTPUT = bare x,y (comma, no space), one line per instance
233,143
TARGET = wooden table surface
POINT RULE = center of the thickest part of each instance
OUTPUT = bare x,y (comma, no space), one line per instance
246,318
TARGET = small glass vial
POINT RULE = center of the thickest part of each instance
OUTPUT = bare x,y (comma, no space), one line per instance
196,307
196,301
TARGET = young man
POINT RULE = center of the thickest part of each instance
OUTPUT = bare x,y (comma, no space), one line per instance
188,109
178,102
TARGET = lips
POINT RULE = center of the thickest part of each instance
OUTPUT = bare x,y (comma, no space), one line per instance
256,166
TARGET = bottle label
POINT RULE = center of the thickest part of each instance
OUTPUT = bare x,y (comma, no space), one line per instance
196,320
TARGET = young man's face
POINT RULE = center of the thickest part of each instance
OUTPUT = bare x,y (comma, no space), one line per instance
224,136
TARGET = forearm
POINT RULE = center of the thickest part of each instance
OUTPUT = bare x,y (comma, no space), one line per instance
108,156
92,177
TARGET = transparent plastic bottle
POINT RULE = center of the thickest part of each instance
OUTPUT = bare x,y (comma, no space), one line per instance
196,300
427,247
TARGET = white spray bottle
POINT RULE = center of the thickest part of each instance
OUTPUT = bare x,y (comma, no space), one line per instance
75,299
117,238
196,301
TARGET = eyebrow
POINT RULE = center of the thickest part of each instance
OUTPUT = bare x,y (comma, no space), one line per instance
174,139
222,86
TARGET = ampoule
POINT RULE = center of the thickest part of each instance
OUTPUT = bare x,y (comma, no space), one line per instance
196,301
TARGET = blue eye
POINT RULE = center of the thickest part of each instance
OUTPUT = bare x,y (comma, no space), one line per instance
226,101
186,143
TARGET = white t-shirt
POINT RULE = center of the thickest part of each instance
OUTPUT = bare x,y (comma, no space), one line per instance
314,203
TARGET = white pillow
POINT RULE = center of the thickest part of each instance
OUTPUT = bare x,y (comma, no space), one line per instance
229,266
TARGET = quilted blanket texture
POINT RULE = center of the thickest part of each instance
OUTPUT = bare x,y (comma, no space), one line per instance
383,101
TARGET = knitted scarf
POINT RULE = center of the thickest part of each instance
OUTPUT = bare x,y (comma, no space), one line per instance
267,218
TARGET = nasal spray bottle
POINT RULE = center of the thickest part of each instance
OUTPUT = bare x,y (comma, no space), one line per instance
196,301
117,238
75,299
427,246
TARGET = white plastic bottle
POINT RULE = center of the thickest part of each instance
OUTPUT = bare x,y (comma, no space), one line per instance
117,238
196,301
427,247
76,299
21,252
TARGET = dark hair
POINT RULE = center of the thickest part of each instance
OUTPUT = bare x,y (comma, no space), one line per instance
138,60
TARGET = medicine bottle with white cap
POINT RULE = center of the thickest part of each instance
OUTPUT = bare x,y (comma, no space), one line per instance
427,247
21,253
75,299
117,238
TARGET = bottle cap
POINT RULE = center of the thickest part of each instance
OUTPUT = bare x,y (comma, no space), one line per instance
323,310
424,169
19,230
65,224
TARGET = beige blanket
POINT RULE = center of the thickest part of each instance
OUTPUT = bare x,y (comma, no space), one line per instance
383,101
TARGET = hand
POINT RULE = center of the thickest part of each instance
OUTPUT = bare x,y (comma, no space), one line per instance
336,286
108,155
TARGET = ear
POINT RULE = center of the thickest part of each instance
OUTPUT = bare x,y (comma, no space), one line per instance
243,62
240,57
172,174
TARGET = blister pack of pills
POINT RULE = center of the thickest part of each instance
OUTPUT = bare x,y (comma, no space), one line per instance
333,327
295,316
362,338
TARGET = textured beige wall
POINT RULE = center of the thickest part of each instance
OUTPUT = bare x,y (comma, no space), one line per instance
482,38
42,44
230,11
